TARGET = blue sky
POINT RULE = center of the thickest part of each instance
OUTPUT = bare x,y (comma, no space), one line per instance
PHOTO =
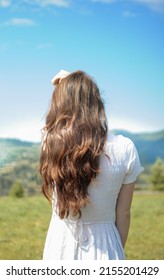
119,43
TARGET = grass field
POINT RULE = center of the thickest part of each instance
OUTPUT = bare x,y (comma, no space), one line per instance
24,223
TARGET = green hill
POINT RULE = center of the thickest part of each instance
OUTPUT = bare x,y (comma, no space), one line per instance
18,162
150,146
13,150
19,159
15,142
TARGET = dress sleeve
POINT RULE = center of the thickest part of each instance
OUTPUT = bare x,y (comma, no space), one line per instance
133,166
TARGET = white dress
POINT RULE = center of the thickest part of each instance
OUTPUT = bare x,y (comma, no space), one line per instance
94,236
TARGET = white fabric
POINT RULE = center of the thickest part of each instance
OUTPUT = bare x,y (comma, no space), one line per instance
95,235
59,76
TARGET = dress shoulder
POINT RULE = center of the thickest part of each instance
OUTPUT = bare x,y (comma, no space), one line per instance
118,140
122,150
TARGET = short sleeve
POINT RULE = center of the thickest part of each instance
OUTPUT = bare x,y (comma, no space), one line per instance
133,166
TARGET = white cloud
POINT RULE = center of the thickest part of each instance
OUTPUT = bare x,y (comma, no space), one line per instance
150,2
155,5
19,22
129,14
44,46
104,1
43,3
4,3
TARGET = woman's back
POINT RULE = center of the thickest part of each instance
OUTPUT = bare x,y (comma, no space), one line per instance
94,235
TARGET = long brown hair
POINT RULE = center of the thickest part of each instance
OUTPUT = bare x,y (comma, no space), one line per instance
75,134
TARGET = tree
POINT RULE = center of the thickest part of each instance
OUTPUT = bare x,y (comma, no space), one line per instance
157,175
17,190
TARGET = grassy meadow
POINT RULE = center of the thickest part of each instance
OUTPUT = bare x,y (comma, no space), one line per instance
24,223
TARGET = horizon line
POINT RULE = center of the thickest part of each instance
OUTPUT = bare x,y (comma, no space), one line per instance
111,130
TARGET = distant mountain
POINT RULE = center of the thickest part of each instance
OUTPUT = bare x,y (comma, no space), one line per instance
19,159
146,136
150,146
18,163
13,150
15,142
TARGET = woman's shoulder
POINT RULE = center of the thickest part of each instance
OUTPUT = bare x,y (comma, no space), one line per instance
118,146
118,140
122,152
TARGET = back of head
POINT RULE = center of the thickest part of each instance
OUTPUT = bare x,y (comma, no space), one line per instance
75,134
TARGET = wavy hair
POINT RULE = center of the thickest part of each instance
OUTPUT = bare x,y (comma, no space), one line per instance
74,138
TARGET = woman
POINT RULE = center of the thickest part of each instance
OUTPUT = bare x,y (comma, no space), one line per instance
87,173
